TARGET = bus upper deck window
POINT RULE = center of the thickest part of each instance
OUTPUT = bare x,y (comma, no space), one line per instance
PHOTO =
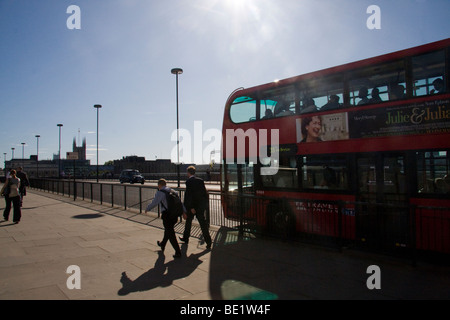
378,83
320,94
278,102
243,109
428,73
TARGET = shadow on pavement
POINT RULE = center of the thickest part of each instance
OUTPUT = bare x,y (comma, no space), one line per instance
162,274
253,268
88,216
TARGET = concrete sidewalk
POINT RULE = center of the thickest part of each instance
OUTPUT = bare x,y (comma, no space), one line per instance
118,258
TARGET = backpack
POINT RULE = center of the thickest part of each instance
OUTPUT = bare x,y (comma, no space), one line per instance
175,206
7,189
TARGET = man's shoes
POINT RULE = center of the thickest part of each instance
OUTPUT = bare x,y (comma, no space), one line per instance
208,246
177,255
161,246
184,240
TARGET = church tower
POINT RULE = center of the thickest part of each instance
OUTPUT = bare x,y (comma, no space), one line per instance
80,150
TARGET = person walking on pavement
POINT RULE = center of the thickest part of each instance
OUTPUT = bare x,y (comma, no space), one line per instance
195,202
168,221
13,196
24,183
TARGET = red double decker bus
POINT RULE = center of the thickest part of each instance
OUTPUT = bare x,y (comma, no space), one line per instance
359,151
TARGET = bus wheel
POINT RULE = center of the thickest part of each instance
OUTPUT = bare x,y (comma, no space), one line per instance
280,222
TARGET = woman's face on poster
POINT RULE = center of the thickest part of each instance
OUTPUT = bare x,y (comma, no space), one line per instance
314,127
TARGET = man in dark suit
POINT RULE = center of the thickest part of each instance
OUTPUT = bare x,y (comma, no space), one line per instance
195,202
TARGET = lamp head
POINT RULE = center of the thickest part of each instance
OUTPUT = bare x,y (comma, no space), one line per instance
177,71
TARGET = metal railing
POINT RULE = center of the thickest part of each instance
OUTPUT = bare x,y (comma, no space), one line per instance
371,226
126,196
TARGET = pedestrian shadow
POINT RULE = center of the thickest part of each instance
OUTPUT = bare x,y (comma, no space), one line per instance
88,216
162,274
6,224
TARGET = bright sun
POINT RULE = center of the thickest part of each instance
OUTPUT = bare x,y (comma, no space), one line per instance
237,4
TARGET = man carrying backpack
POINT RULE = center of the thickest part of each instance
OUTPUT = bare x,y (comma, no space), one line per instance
169,218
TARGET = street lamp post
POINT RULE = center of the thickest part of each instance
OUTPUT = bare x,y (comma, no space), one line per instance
4,155
37,155
59,152
97,106
23,154
12,157
178,71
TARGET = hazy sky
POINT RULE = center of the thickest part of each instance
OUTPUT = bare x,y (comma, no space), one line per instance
122,56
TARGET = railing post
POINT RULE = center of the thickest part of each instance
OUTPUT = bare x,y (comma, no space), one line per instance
241,215
340,213
181,197
112,195
413,233
125,197
240,201
140,199
208,214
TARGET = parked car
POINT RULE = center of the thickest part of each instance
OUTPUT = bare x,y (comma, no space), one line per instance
131,176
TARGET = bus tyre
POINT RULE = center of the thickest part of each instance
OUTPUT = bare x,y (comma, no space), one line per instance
280,222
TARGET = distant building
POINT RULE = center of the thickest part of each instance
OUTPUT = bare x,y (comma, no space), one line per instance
49,168
81,166
163,168
147,167
80,150
151,169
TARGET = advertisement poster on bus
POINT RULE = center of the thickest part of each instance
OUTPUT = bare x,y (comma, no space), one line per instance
418,118
327,127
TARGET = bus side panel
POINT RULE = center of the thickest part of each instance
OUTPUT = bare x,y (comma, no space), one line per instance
432,224
248,208
348,222
325,217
